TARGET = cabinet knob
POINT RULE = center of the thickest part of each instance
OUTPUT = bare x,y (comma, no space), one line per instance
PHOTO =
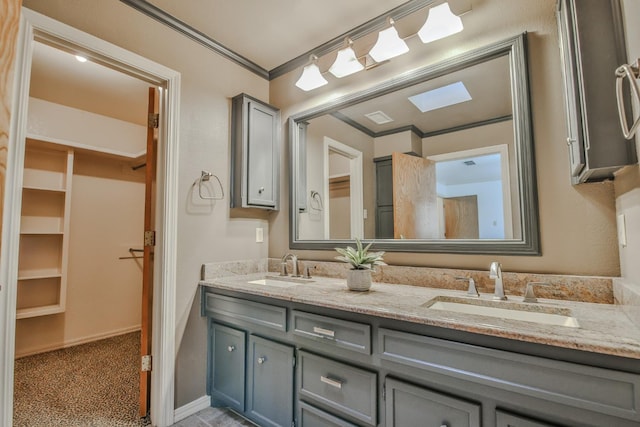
261,190
261,360
570,141
231,348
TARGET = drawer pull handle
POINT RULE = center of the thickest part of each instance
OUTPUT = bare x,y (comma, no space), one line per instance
261,360
325,332
231,348
333,383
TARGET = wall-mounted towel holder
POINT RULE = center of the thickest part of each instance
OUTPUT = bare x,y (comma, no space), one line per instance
205,177
315,202
632,72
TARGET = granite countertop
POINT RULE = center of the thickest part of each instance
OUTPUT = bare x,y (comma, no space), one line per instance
604,328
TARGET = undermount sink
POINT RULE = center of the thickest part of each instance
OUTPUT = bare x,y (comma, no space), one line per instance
279,281
506,310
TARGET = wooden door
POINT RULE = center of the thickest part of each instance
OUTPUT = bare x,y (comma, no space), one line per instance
461,217
415,202
149,244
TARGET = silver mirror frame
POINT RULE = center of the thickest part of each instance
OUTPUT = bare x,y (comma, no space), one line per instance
523,134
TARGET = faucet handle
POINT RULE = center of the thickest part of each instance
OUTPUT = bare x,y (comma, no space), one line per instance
307,271
283,268
471,291
529,295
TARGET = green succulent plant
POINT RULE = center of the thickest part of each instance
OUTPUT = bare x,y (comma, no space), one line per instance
359,257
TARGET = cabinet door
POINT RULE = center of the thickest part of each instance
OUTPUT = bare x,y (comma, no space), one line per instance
409,406
227,370
262,149
505,419
270,370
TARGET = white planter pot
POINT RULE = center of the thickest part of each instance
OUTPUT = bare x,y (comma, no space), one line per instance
359,280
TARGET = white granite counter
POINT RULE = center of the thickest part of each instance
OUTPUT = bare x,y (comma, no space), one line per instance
604,328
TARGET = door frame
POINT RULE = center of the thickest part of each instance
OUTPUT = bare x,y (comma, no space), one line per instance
35,26
355,188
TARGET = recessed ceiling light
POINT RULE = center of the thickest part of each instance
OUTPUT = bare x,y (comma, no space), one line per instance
81,58
378,117
441,97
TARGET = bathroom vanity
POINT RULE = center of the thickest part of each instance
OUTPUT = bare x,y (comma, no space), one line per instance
285,351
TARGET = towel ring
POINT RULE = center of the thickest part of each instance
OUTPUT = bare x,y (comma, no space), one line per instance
632,72
204,177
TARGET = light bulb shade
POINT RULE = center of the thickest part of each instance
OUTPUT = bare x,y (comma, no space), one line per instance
346,63
311,78
389,45
440,23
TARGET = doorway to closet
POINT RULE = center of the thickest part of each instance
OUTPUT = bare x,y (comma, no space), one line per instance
37,27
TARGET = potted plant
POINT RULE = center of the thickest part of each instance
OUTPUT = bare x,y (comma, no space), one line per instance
362,262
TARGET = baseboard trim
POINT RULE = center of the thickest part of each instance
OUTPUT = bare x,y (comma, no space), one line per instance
191,408
77,341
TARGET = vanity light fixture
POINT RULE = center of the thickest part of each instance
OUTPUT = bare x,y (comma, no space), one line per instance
81,58
440,23
311,77
389,44
346,62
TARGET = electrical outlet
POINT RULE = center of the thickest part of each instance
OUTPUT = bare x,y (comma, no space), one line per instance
259,235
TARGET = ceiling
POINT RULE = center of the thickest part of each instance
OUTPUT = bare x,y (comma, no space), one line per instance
271,33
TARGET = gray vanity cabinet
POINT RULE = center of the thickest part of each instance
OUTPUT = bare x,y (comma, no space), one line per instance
409,405
255,154
227,356
270,370
592,47
310,366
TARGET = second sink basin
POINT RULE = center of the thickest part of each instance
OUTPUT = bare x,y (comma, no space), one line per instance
279,281
506,310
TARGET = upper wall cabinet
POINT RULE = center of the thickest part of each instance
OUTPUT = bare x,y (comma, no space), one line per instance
255,154
592,47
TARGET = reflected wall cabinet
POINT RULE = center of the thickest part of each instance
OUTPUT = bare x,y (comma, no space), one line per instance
44,229
592,47
255,154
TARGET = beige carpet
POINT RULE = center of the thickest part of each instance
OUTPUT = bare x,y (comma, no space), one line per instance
93,384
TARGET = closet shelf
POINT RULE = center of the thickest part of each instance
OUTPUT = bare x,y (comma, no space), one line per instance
39,274
64,144
23,313
42,188
41,233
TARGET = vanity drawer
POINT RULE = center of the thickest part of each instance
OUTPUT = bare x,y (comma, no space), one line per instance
310,416
256,313
332,332
595,389
348,390
408,405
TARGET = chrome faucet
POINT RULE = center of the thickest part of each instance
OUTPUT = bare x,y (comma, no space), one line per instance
495,272
294,261
472,291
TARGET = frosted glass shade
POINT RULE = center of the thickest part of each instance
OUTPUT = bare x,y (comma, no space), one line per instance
388,45
311,78
346,63
440,23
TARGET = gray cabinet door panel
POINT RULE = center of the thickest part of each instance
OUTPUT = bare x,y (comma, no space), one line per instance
270,371
610,392
260,149
349,390
227,378
409,406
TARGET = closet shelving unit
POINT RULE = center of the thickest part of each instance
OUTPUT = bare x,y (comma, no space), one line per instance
44,229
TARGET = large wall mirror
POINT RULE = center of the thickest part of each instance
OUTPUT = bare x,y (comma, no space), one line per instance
437,160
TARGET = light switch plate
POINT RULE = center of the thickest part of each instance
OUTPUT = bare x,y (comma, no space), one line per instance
622,230
259,235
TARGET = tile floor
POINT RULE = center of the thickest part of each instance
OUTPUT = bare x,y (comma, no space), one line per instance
214,417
